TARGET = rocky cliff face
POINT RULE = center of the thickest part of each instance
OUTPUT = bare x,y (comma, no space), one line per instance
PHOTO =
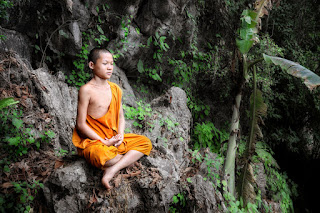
74,185
55,28
42,40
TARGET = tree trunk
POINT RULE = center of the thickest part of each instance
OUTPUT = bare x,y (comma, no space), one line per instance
229,165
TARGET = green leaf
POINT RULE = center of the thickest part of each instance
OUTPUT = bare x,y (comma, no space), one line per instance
62,33
37,47
31,140
246,34
100,29
7,102
224,183
157,35
17,123
247,19
140,66
14,141
311,80
244,45
175,199
50,134
6,168
149,41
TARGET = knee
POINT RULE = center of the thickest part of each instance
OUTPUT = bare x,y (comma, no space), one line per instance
148,143
113,161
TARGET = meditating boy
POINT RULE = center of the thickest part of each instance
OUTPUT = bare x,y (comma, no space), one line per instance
99,133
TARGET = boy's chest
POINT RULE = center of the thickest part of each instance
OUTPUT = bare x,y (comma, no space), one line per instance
100,99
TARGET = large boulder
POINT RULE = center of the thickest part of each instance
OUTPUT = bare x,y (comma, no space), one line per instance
148,186
160,172
74,186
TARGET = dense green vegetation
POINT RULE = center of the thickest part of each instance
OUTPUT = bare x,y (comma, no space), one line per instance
17,142
290,30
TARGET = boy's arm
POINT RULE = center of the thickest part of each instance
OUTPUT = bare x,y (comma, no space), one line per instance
122,121
121,127
81,125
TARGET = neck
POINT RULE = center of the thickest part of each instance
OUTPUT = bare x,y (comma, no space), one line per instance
99,81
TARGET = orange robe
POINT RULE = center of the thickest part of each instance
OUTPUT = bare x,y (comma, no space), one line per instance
97,153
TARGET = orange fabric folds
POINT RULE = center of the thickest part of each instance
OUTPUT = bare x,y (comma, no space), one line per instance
94,151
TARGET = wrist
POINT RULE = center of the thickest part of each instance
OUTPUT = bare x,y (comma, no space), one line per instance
105,141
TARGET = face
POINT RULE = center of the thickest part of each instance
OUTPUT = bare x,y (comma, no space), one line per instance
103,67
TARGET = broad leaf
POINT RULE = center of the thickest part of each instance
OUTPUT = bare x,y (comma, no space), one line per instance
244,45
140,66
246,34
7,102
14,141
17,122
247,31
311,80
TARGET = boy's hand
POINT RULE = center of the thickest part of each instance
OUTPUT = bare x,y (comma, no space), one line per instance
119,137
110,142
114,141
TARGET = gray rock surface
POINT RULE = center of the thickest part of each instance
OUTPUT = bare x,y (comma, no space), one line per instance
204,194
60,101
120,78
76,185
16,42
167,163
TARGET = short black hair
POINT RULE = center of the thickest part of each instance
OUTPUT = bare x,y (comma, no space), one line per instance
95,54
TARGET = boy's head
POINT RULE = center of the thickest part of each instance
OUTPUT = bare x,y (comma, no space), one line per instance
101,63
94,54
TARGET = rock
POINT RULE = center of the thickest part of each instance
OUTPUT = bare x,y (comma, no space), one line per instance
131,50
175,120
76,185
60,101
65,191
121,79
158,184
77,37
261,179
204,194
16,42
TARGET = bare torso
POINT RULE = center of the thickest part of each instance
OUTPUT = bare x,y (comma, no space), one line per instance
100,99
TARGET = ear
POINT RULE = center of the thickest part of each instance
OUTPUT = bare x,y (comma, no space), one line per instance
91,65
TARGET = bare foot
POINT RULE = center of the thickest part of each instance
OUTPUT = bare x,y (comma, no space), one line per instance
107,176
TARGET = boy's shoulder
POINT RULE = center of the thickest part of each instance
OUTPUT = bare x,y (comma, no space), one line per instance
114,85
85,88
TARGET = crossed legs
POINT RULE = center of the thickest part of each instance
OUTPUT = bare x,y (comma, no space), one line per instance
117,163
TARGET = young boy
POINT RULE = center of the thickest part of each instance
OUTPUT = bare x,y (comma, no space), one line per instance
99,133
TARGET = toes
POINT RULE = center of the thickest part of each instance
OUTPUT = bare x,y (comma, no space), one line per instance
106,184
